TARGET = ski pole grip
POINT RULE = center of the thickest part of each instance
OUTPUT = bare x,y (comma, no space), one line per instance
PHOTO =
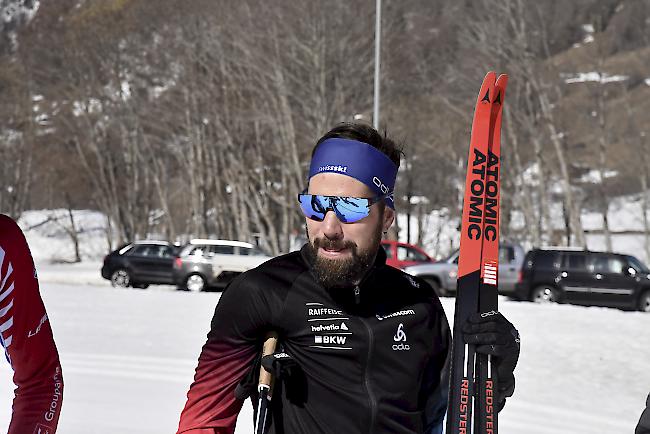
269,348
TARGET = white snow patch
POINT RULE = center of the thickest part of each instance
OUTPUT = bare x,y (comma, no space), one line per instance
416,200
93,105
594,176
30,13
441,235
125,90
598,77
45,231
43,119
9,135
530,174
625,214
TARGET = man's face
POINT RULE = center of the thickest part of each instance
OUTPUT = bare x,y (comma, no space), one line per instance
343,252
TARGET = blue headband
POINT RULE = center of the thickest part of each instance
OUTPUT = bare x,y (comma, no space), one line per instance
358,160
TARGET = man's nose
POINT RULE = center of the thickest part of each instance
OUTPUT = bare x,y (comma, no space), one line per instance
332,226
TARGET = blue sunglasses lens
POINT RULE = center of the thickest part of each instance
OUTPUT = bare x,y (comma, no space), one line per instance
314,207
347,209
352,209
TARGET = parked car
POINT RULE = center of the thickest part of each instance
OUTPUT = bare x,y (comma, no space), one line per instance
401,255
585,277
140,264
213,263
443,275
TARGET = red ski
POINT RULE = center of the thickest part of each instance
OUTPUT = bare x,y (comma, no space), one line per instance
472,383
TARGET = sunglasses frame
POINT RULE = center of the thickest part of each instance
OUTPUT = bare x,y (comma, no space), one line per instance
371,202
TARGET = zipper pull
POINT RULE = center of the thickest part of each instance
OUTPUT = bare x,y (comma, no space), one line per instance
357,294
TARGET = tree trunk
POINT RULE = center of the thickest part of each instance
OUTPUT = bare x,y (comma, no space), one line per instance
569,197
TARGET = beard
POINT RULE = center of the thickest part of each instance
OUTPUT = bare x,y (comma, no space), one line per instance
346,272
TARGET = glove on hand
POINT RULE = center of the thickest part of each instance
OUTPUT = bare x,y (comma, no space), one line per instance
493,334
280,365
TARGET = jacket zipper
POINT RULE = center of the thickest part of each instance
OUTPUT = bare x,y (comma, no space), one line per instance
371,396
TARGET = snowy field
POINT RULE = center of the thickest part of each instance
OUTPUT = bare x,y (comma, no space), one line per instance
128,358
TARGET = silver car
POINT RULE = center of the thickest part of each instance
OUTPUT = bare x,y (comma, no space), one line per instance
442,275
207,263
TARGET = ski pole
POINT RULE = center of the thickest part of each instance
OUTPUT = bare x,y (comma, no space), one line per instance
265,385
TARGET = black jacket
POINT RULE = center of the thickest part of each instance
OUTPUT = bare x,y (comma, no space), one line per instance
644,423
371,362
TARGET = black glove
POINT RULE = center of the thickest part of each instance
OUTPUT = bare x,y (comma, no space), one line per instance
493,334
280,365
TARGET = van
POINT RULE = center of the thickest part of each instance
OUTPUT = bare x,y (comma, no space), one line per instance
584,277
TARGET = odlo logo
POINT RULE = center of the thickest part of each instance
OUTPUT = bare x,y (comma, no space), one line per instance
400,336
380,184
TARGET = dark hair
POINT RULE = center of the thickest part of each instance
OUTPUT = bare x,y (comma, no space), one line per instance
366,134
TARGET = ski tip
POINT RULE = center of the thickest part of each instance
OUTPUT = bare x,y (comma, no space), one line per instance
497,99
502,81
500,88
486,98
492,77
487,88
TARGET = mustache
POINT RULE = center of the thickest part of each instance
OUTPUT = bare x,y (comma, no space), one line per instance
334,244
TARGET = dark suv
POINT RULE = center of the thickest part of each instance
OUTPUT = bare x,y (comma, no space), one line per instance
140,264
584,277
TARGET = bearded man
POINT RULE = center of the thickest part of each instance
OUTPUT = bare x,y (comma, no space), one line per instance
368,343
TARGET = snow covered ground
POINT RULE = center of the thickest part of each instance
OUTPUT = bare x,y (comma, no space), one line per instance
128,358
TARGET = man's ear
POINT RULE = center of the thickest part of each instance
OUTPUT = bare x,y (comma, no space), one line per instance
389,217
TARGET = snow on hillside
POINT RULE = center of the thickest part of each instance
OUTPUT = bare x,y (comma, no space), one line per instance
441,234
11,10
593,76
45,231
625,215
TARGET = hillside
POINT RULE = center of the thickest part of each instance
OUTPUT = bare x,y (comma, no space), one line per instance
190,118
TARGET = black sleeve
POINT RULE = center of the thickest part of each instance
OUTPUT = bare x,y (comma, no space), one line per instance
240,322
644,423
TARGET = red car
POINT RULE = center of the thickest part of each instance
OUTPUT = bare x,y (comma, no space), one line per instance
400,255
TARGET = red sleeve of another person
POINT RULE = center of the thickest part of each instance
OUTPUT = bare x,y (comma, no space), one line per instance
27,338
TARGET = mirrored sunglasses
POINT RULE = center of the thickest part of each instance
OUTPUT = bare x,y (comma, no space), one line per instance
347,209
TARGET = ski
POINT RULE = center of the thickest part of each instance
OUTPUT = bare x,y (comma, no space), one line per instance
472,382
486,417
